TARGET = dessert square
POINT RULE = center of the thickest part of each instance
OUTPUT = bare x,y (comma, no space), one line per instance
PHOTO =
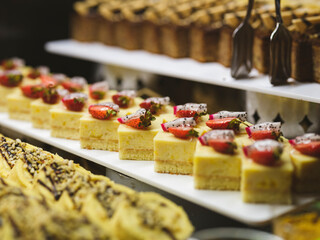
267,184
306,172
137,144
40,114
173,155
19,106
65,123
4,92
216,171
101,134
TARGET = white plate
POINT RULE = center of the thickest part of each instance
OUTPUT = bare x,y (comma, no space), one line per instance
185,68
228,203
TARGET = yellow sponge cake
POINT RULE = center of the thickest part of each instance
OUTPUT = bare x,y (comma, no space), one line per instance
217,169
65,119
266,173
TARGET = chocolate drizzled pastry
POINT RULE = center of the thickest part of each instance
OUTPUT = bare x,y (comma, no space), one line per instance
29,217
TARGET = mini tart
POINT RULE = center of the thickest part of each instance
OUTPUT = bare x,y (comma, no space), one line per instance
174,155
267,184
65,123
216,171
306,172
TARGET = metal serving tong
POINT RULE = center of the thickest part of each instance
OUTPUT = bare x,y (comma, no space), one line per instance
241,63
280,51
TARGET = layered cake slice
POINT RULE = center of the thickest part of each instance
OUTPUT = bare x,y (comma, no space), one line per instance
174,147
306,160
136,134
9,80
65,118
217,162
19,103
100,129
266,173
40,108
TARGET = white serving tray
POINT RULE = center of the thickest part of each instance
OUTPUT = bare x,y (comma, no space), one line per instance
185,68
227,203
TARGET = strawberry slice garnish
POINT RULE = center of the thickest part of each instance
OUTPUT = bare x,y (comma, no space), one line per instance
75,101
265,134
32,91
48,80
194,110
224,123
183,132
12,63
50,95
265,130
152,106
37,72
72,86
11,78
98,90
311,148
141,122
122,100
103,111
308,144
155,104
223,145
265,152
186,113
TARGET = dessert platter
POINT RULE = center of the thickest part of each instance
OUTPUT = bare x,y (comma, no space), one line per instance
214,160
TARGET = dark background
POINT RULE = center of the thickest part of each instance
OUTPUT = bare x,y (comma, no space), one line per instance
26,25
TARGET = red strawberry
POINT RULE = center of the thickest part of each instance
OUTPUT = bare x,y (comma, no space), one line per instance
75,101
35,73
72,86
141,122
224,123
50,95
223,145
266,157
11,78
98,90
32,91
265,134
152,106
183,132
311,148
8,64
266,152
122,100
48,80
102,111
186,113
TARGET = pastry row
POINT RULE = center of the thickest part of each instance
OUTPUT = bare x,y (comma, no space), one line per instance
201,30
222,150
44,196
